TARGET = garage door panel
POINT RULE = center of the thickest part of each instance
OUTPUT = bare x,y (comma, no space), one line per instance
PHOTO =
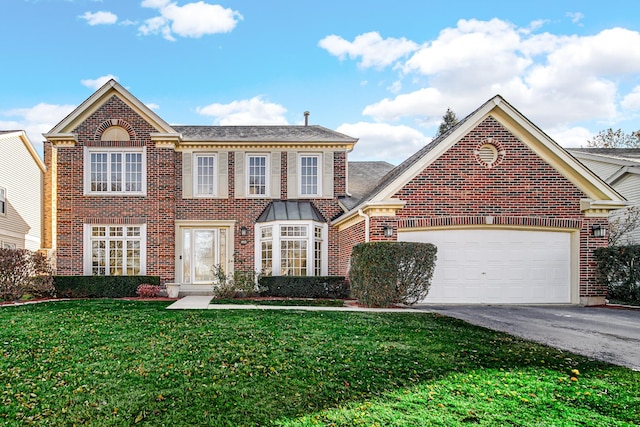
498,266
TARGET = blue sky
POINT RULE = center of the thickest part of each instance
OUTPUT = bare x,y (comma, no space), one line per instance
381,71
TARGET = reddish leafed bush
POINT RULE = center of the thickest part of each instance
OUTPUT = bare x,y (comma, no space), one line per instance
148,291
24,272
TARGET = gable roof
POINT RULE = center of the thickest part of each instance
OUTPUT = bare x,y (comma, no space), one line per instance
5,134
498,108
63,130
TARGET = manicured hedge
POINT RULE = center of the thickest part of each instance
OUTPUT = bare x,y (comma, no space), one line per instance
619,269
304,286
101,286
384,273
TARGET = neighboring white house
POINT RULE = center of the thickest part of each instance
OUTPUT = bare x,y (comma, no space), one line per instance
620,168
21,196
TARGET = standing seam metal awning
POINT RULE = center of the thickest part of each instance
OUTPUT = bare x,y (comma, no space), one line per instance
290,211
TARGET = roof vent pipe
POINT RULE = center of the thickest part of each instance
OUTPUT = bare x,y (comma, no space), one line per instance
306,118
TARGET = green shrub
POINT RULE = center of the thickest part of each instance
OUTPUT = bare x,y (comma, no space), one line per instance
304,286
24,272
101,286
619,269
240,284
384,273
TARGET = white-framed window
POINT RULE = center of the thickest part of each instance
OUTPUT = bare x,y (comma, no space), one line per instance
204,175
7,245
3,201
257,177
309,174
266,250
292,248
115,171
115,250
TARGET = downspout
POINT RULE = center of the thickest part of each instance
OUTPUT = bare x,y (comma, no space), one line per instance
366,224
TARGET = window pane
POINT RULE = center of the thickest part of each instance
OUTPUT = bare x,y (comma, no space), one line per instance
115,258
293,257
98,257
257,175
186,256
133,258
205,175
115,231
293,231
3,205
317,258
116,172
203,255
133,175
267,257
309,175
98,171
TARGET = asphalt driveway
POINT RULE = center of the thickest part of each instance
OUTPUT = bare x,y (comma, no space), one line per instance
608,334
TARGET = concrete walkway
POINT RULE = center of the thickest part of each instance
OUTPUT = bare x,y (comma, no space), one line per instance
198,302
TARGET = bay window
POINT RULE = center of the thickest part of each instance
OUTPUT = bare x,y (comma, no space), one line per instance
287,248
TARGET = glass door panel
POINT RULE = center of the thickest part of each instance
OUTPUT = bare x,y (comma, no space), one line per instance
199,254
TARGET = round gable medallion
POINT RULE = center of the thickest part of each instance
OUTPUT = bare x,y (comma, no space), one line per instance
489,153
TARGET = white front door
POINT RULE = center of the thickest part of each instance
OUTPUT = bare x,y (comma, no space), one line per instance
498,266
199,254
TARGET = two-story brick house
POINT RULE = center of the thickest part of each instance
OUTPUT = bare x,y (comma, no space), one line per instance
138,196
514,216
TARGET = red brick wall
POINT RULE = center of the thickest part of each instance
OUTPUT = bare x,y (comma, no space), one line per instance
348,238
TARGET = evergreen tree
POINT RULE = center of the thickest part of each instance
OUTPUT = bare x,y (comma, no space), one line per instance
449,120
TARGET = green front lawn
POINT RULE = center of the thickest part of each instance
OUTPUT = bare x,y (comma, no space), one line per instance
121,363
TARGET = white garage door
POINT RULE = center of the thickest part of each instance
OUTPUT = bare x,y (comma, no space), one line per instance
498,266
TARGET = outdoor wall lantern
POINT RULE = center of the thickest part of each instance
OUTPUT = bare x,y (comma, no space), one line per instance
243,231
388,230
598,230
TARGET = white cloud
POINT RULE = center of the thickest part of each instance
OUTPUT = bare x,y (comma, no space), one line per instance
632,100
371,48
254,111
381,141
472,55
557,81
35,120
191,20
100,18
424,103
571,137
96,84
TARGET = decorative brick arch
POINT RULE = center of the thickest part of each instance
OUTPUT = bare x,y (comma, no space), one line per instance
111,123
